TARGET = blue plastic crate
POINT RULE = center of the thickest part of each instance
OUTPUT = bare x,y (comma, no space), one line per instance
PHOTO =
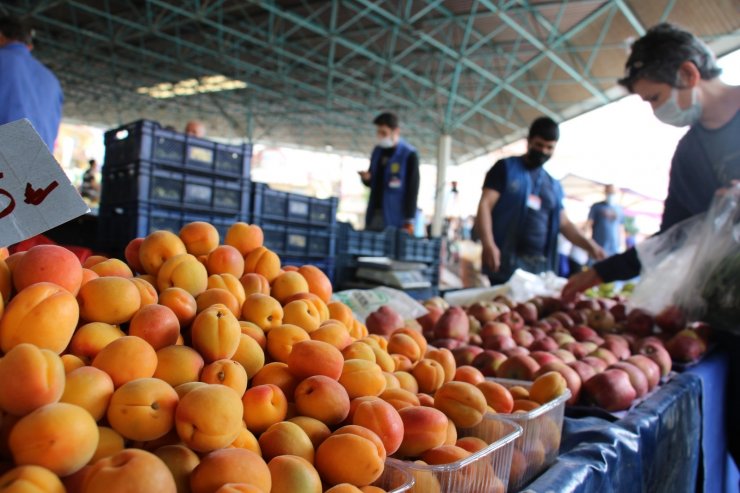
270,205
295,241
147,140
422,294
411,249
365,243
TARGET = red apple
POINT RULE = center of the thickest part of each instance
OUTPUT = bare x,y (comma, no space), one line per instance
499,343
583,333
564,319
429,320
474,324
512,319
611,390
384,321
579,317
565,355
646,341
597,363
671,319
495,329
545,325
550,304
517,351
544,344
518,368
466,354
542,357
528,311
659,355
639,322
571,376
577,349
475,340
538,333
590,346
584,370
487,311
619,312
523,338
502,298
601,320
686,348
619,350
637,377
488,362
447,343
649,367
453,324
606,355
563,338
588,304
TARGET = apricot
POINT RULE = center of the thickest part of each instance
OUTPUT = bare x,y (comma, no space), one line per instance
231,465
497,396
157,248
110,443
471,444
71,362
231,284
402,362
302,313
181,461
113,300
126,359
183,271
31,378
451,433
318,282
215,333
43,314
263,311
547,387
316,431
278,374
525,405
48,263
60,437
286,285
469,374
264,405
226,372
391,381
199,237
178,364
462,402
89,388
341,312
30,479
131,254
246,440
264,262
384,360
424,428
185,388
6,281
357,329
244,237
129,470
93,260
280,341
405,345
445,358
399,398
88,275
249,354
359,350
309,358
225,259
255,283
143,409
425,399
209,417
286,438
238,488
112,267
444,454
253,331
429,374
333,332
181,303
291,474
322,398
362,378
519,392
156,324
343,488
407,381
383,419
215,296
366,450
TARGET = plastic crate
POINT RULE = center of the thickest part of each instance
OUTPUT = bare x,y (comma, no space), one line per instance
294,241
539,444
148,182
411,249
147,140
422,294
486,470
326,265
270,205
431,273
365,243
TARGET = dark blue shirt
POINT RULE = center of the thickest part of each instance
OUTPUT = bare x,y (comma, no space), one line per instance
606,220
29,90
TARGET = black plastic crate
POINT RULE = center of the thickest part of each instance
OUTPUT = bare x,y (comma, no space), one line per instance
326,265
270,205
431,273
365,243
411,249
147,182
293,241
147,140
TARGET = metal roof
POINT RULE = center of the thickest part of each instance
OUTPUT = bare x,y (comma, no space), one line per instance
319,71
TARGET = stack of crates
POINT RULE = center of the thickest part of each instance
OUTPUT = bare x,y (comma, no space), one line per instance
422,250
299,228
154,178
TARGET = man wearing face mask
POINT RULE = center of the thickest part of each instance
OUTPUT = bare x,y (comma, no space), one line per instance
393,178
520,212
605,219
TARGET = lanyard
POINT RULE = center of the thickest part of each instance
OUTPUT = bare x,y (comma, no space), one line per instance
537,185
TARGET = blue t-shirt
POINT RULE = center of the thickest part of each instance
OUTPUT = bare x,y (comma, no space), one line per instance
29,90
606,221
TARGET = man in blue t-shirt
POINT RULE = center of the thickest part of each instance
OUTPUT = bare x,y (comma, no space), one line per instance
520,212
27,88
606,219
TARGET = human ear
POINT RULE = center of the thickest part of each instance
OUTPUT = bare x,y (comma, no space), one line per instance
688,74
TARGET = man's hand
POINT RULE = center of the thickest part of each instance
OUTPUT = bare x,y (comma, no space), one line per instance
595,251
492,258
409,228
580,283
364,175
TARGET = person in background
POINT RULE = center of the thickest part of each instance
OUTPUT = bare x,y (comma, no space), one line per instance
520,212
195,128
393,178
90,188
605,220
28,89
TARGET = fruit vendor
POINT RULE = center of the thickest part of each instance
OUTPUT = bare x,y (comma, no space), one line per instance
28,89
520,212
606,218
393,178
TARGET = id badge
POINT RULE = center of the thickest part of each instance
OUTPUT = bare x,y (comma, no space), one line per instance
534,202
394,183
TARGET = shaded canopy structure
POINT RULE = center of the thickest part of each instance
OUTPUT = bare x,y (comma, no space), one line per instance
317,71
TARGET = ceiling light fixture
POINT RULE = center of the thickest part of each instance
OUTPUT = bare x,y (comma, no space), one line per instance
190,87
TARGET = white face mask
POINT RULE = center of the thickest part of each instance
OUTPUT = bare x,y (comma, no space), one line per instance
610,199
385,142
672,114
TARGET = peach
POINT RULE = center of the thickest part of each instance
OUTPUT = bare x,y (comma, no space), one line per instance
359,350
399,398
231,465
60,437
497,396
110,443
280,341
278,374
469,374
143,409
129,470
88,275
444,454
384,360
71,362
316,431
264,405
445,358
333,332
43,314
244,237
322,398
48,263
405,345
215,296
263,311
366,450
226,372
112,267
199,237
156,324
126,359
147,291
264,262
424,428
302,313
286,285
181,461
178,364
318,283
31,479
429,374
291,474
31,378
471,444
231,284
209,417
255,283
113,300
246,440
462,402
225,259
185,388
548,387
181,303
309,358
249,354
215,333
361,378
286,438
157,248
89,388
407,381
383,419
6,281
255,332
402,362
131,254
183,271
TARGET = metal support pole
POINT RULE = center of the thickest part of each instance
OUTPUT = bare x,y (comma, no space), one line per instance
443,160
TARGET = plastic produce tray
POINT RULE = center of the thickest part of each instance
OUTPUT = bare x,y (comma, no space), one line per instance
270,205
394,479
411,249
539,444
485,471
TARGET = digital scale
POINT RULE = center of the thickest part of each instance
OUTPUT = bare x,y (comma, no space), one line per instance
393,273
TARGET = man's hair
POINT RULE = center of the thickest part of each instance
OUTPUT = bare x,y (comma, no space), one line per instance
388,119
544,127
16,30
92,162
658,55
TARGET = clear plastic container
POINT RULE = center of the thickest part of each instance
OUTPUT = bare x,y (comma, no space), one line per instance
539,444
486,471
395,479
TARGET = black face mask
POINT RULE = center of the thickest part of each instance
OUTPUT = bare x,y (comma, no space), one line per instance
536,159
